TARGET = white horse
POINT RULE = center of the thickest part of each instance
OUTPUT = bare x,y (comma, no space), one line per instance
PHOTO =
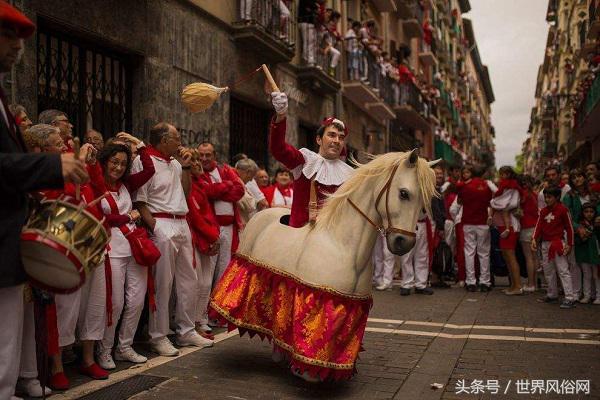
384,196
309,288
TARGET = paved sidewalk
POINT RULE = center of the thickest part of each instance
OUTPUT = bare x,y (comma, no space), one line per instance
470,342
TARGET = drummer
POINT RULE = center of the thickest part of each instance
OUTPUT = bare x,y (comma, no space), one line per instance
21,173
85,308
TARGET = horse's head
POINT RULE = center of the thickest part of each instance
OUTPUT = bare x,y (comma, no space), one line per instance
407,191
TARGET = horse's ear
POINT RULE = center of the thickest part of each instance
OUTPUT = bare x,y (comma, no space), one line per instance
434,162
412,158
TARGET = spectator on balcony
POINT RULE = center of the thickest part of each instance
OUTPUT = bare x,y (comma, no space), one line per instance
353,51
372,45
427,35
308,14
406,79
284,18
330,39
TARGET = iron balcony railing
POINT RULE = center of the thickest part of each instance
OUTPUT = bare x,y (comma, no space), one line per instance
589,103
275,17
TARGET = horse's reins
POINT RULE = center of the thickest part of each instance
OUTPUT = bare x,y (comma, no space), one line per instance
380,228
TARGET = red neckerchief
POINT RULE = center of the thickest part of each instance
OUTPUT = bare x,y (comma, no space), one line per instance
153,151
285,191
213,165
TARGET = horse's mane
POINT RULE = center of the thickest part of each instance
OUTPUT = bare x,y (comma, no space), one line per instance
379,165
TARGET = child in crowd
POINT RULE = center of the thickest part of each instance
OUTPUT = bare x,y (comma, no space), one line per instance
553,222
587,252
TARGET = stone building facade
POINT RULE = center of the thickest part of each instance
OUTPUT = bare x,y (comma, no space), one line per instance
121,65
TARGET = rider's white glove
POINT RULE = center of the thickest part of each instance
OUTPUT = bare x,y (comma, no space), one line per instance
280,102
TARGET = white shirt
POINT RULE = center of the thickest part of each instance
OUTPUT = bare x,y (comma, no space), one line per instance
163,192
119,245
252,187
221,207
280,200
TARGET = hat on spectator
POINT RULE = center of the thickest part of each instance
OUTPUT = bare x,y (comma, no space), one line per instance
13,18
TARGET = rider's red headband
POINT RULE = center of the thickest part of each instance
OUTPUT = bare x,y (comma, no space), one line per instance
333,120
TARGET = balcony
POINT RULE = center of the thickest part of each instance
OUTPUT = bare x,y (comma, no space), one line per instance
385,5
266,28
587,118
320,76
404,10
369,89
411,109
427,53
413,27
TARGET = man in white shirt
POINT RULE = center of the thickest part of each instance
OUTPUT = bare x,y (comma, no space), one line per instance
162,204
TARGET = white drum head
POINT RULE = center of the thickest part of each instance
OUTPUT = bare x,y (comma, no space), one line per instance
49,266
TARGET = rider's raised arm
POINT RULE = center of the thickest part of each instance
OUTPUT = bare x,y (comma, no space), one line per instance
283,152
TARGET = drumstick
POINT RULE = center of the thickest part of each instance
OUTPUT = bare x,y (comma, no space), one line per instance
270,78
96,200
77,186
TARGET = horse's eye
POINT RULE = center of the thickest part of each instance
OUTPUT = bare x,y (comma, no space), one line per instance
404,195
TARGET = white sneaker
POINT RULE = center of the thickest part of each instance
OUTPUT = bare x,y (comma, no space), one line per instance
383,286
105,360
529,289
597,301
585,300
192,338
32,387
164,347
130,355
205,328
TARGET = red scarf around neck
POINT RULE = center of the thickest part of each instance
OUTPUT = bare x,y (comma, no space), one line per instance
153,151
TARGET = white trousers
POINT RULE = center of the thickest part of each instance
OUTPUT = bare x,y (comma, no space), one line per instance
92,310
28,354
221,260
67,312
335,57
11,334
559,265
415,263
174,240
205,271
596,277
477,243
129,284
246,9
450,234
583,272
383,261
309,40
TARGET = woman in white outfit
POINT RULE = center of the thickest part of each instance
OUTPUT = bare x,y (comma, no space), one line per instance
129,279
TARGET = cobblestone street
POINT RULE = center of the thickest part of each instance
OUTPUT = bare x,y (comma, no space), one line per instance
452,338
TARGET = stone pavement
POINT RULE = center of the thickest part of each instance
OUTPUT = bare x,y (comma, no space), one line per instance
478,343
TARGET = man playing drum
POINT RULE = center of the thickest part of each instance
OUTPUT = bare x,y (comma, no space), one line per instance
315,174
20,174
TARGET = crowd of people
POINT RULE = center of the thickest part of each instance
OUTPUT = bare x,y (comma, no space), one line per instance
551,227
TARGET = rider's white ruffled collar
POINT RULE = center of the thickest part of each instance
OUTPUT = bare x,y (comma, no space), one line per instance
328,172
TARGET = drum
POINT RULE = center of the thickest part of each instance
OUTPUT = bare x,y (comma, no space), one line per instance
60,245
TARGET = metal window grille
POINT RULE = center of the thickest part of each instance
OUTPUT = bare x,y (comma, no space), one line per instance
249,128
90,83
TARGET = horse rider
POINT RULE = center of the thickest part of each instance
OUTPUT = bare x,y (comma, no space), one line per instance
315,174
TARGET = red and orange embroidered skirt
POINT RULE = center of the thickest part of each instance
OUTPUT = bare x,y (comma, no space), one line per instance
319,328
